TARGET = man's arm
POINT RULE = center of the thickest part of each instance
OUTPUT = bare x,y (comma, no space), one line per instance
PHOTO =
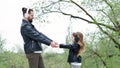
35,35
45,36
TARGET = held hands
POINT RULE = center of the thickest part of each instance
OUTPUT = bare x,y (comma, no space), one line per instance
54,44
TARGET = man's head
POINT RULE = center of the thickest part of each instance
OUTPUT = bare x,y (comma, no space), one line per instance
28,14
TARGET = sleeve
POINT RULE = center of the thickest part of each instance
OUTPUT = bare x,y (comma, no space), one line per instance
69,46
35,35
45,36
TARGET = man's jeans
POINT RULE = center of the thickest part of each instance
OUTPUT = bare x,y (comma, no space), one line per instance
35,60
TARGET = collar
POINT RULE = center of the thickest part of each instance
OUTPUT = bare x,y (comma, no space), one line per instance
26,21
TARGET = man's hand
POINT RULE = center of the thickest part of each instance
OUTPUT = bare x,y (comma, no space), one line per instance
54,44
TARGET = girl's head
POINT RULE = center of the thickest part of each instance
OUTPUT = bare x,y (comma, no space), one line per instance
78,38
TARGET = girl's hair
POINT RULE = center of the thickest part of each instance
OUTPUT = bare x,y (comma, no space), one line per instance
79,39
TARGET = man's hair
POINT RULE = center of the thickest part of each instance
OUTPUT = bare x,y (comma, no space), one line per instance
24,10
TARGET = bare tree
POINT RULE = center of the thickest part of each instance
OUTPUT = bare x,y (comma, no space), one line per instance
109,26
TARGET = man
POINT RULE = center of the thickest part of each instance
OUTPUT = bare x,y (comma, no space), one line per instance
33,39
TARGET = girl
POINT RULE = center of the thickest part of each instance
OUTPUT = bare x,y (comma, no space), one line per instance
75,50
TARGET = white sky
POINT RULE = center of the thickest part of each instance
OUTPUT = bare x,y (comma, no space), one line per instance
11,17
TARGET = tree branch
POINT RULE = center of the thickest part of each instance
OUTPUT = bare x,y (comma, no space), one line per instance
116,28
100,57
48,11
77,17
104,63
80,17
108,17
89,21
97,22
117,23
110,37
82,9
93,22
53,3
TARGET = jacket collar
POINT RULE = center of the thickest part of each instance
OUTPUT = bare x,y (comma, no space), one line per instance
24,22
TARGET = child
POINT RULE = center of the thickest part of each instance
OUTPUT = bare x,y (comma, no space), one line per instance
75,50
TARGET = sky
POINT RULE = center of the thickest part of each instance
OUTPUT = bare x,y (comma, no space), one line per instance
11,16
56,29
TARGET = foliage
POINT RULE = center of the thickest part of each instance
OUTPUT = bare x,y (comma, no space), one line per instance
2,42
101,54
13,60
10,59
56,60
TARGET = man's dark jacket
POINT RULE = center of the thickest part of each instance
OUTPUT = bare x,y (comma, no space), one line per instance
32,38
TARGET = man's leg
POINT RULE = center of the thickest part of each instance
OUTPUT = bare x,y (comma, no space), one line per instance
33,60
41,63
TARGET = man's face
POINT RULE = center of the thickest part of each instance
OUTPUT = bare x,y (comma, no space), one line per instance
31,16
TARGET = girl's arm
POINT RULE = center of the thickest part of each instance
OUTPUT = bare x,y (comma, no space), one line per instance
69,46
